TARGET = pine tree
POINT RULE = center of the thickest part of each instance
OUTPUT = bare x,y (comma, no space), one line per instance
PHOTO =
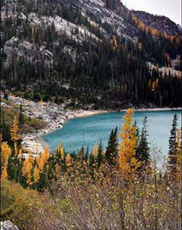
81,155
100,156
21,117
179,154
6,95
142,151
112,148
91,161
127,154
173,148
86,156
5,129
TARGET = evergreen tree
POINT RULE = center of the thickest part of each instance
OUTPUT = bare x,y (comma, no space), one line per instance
137,131
173,148
112,148
86,156
142,151
5,129
21,117
99,157
91,161
6,95
81,155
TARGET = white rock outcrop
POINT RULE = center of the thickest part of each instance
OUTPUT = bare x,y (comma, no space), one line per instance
8,225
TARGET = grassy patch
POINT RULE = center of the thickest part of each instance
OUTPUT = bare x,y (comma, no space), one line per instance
30,124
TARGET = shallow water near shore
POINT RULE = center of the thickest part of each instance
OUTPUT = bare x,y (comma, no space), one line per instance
88,131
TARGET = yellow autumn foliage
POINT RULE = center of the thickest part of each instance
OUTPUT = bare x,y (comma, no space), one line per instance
57,169
114,42
154,32
61,151
24,207
68,160
36,174
15,136
45,155
27,168
20,154
127,160
40,163
42,159
95,151
5,154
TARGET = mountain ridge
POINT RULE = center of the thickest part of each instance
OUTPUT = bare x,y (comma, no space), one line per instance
81,44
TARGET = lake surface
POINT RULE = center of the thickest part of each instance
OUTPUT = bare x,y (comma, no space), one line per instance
88,131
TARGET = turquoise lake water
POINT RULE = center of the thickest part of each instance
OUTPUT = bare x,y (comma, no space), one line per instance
88,131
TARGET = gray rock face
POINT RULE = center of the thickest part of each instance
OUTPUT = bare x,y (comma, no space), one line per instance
8,225
107,15
161,23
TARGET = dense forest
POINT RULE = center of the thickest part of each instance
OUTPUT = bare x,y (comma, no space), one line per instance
120,187
55,52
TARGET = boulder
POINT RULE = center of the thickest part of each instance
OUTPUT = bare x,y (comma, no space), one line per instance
8,225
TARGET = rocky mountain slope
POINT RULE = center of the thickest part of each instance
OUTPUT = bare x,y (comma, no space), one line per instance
90,51
161,23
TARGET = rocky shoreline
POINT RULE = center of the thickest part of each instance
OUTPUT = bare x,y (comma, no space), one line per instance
55,117
53,114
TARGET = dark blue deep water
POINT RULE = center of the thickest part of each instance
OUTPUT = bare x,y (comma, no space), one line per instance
88,131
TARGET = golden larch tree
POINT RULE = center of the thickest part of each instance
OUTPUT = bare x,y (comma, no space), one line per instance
20,154
57,170
27,168
5,154
36,174
69,161
61,151
42,159
40,163
114,42
95,151
127,160
45,155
